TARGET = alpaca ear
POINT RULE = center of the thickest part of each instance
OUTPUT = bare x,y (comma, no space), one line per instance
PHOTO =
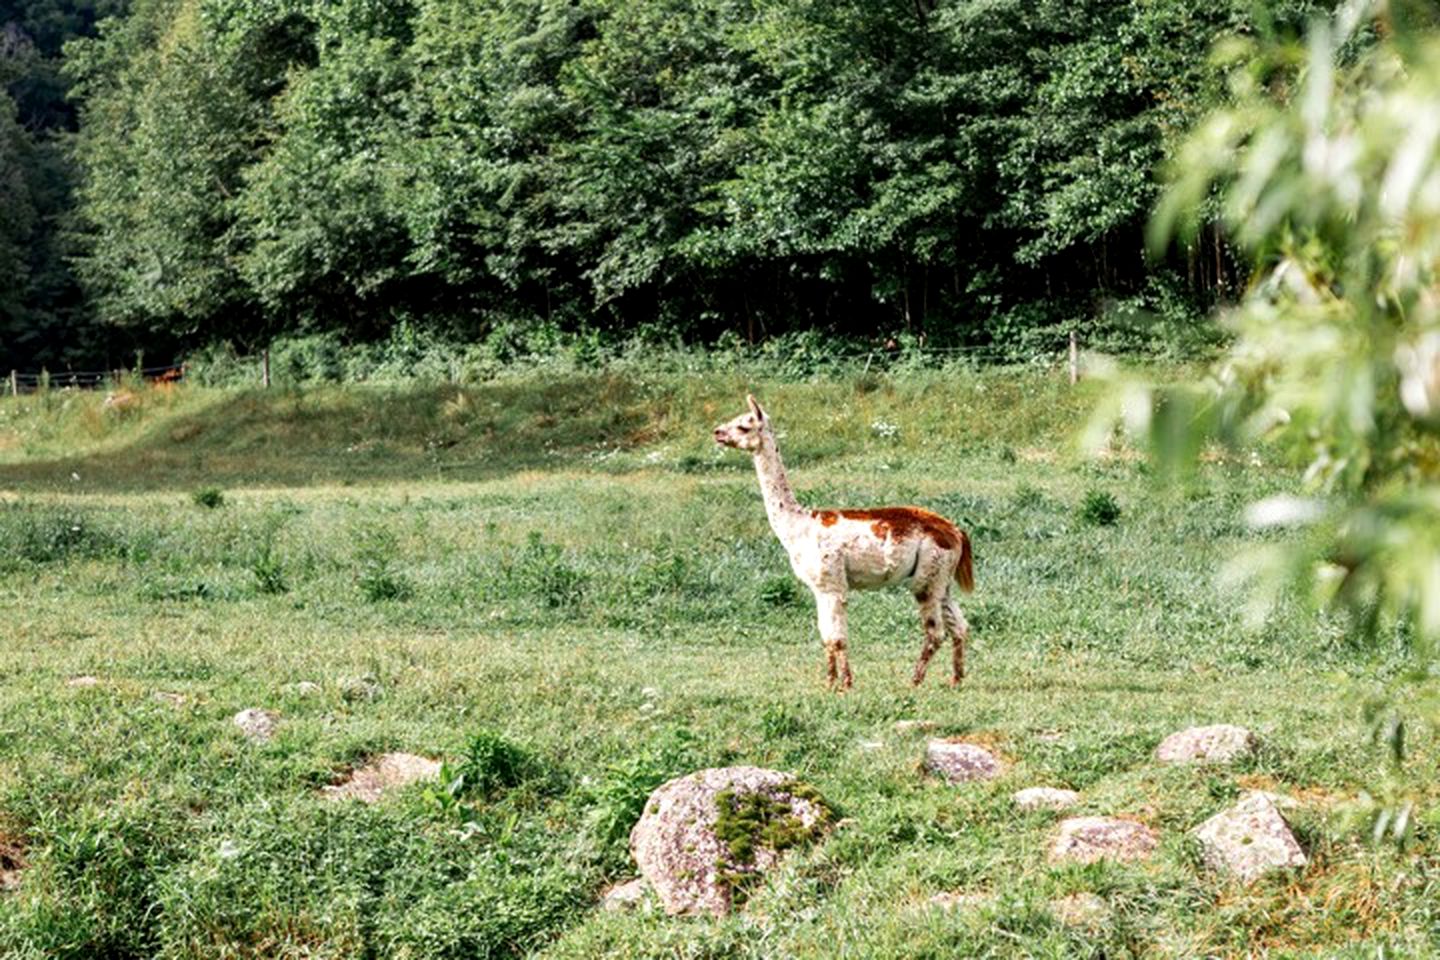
755,406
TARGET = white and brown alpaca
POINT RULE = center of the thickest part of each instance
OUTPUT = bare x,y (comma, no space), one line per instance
835,551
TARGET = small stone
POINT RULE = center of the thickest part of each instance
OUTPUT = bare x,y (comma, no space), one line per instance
306,688
364,688
1220,743
1088,839
869,745
83,682
173,699
955,900
258,725
624,896
1045,798
386,772
960,762
1249,840
1050,736
1084,910
911,726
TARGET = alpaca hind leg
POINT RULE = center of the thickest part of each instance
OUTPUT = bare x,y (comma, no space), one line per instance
959,631
830,610
930,617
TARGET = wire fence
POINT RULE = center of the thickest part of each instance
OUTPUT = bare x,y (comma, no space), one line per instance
20,381
1062,354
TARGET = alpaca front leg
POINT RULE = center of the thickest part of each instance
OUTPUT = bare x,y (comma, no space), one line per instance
830,610
930,617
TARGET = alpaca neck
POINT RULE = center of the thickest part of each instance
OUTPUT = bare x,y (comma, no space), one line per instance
780,504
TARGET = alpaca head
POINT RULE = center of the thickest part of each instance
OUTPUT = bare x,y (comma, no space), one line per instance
745,431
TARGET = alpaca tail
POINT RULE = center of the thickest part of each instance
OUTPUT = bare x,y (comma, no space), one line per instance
965,569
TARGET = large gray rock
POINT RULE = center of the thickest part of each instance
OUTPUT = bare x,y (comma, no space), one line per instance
1088,839
1249,840
1220,743
704,837
1045,798
960,762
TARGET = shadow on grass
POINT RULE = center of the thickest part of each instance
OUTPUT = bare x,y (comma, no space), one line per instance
358,434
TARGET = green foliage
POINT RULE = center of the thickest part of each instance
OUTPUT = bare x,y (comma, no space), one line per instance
269,570
488,766
958,172
542,571
1099,509
208,497
1325,177
617,798
377,573
780,591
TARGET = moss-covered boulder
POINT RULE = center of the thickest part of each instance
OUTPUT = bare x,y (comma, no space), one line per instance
704,839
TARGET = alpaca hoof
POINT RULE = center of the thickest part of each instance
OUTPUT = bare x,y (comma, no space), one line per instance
955,682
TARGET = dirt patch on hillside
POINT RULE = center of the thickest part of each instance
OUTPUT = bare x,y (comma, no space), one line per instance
382,774
12,861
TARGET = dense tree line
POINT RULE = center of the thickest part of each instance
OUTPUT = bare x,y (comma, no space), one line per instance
974,170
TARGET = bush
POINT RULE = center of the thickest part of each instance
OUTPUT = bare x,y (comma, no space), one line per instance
542,571
377,576
208,497
1099,509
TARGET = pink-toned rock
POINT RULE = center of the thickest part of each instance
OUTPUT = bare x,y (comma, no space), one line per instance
960,762
1249,840
1045,798
1088,839
83,682
1220,743
677,849
386,772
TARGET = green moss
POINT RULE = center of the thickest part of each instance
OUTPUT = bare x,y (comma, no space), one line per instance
747,822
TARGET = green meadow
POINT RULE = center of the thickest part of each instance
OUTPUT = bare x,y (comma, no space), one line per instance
558,585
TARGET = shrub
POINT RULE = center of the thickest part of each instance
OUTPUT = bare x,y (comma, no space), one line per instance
542,571
780,591
1099,509
208,497
377,576
489,766
618,799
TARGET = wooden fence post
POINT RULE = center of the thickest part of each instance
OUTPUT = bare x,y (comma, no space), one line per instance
1074,359
265,367
14,384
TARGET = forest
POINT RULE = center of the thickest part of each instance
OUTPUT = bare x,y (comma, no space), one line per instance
184,173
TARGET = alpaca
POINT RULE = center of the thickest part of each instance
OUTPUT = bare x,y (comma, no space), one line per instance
834,551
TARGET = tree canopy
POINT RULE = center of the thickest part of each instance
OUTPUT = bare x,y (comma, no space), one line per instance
971,170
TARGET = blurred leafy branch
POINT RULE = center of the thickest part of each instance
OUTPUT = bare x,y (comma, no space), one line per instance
1325,171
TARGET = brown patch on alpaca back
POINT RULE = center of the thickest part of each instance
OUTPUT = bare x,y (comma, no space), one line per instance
903,522
827,518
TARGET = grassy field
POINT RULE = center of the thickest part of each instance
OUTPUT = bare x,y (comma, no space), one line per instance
559,586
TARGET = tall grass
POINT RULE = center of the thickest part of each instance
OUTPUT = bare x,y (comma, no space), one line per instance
561,589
